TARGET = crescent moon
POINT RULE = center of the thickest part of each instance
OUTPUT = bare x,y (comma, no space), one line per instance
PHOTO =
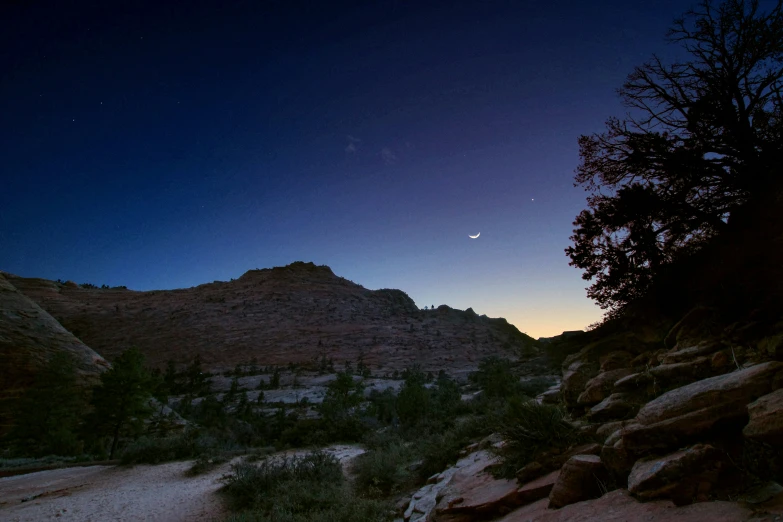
474,237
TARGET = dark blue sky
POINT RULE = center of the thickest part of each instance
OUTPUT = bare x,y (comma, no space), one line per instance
168,144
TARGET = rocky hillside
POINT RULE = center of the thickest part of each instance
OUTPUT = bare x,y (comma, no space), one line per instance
29,337
299,313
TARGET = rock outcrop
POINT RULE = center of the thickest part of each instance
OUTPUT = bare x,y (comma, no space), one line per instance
294,314
29,338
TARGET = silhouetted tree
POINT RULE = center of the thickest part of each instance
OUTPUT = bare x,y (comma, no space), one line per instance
704,137
198,382
121,400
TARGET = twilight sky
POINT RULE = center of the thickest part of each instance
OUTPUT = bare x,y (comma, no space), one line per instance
168,144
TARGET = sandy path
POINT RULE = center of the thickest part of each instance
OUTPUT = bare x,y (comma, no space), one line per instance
108,493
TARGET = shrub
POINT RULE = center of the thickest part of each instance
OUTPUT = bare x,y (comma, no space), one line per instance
529,429
148,450
384,470
311,488
495,377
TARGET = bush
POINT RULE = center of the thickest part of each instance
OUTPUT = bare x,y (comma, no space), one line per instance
148,450
441,449
495,378
384,470
529,429
311,488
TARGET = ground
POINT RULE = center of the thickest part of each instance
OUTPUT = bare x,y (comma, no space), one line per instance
102,493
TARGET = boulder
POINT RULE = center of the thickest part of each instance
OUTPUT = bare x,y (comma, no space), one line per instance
473,494
575,378
619,506
682,476
678,416
615,360
766,419
424,500
679,374
603,431
721,361
616,406
537,489
634,383
530,472
691,326
678,355
600,386
582,477
617,459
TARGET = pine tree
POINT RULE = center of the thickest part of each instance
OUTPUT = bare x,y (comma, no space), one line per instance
121,401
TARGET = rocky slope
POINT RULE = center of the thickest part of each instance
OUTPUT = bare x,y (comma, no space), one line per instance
29,337
298,313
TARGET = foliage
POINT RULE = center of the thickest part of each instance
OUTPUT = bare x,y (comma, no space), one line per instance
340,405
297,490
495,378
49,413
154,450
529,429
703,139
121,402
385,470
413,401
197,381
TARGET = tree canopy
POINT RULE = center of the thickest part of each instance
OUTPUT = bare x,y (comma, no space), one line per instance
702,137
121,401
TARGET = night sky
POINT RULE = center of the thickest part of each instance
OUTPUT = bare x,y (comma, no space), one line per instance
169,144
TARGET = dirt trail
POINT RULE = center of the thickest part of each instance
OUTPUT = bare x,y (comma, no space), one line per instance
108,493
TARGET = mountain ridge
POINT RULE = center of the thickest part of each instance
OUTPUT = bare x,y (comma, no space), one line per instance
297,313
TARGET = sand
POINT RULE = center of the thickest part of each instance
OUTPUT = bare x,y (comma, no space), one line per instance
112,493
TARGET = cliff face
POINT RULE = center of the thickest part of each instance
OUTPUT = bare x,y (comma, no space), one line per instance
29,337
298,313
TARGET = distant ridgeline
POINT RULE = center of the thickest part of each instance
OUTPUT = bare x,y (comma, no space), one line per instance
299,313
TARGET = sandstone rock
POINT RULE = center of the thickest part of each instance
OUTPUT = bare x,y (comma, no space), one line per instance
574,380
582,477
605,430
529,472
537,489
641,360
291,314
690,353
668,375
615,361
766,419
619,506
616,406
618,460
691,327
473,493
680,476
721,361
599,387
634,383
678,416
29,338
